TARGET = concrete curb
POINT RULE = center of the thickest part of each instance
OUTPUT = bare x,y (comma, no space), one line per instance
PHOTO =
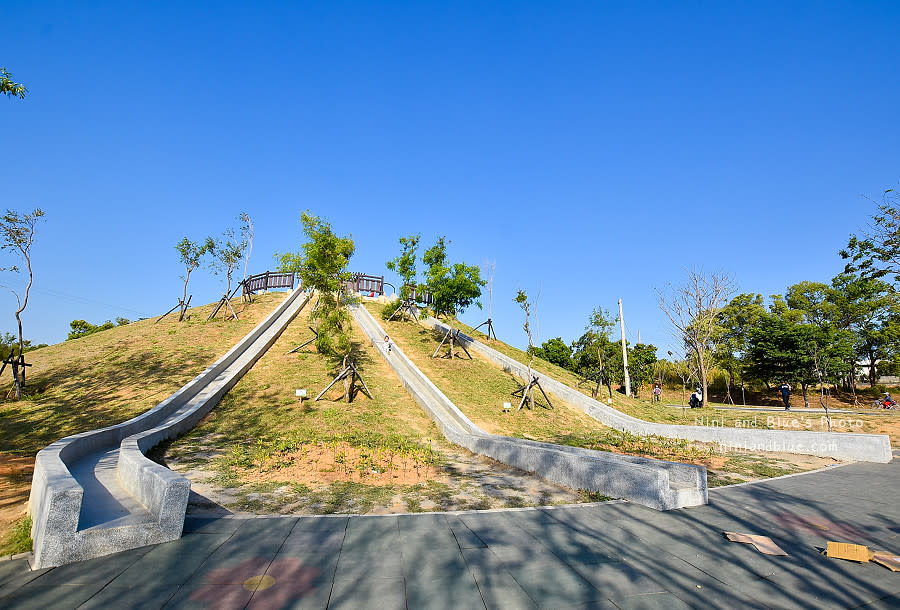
156,496
837,445
653,483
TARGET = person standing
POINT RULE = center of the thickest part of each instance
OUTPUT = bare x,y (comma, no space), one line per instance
657,391
785,390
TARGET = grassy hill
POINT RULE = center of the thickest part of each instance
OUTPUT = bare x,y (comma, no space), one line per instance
103,379
262,450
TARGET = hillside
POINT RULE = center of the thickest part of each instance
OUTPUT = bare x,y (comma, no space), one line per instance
103,379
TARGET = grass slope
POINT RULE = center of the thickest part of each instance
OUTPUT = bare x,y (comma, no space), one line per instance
101,380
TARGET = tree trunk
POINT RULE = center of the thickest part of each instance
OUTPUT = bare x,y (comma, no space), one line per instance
805,395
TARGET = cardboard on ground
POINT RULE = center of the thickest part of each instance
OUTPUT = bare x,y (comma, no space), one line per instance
846,550
888,560
763,544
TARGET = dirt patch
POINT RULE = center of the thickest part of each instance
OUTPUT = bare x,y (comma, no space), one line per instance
15,485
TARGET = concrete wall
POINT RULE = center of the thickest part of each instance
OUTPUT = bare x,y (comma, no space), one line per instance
837,445
654,483
56,496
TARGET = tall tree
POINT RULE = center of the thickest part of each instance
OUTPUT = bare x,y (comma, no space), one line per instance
322,266
555,351
877,253
8,87
735,321
641,361
227,252
594,353
190,254
453,286
247,236
405,264
17,231
693,309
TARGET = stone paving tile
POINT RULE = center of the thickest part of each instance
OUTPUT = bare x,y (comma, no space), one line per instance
465,538
93,571
315,541
17,574
383,593
892,602
553,584
379,564
497,586
651,601
371,535
455,590
616,580
195,595
301,580
211,525
35,596
321,524
146,595
430,563
172,563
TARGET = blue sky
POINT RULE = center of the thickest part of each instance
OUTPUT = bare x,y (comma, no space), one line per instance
595,150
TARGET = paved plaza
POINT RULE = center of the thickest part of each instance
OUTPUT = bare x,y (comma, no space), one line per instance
612,555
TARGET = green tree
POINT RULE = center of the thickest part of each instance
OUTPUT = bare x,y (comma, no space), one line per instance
227,252
190,254
17,233
8,87
555,351
594,353
734,324
405,264
641,361
83,328
783,348
322,266
454,286
877,253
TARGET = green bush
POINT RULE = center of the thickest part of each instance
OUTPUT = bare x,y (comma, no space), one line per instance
388,310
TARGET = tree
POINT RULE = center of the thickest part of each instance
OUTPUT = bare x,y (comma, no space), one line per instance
594,353
527,389
8,87
877,253
322,266
405,264
227,252
454,286
247,236
190,254
83,328
869,308
641,361
17,233
735,321
693,310
555,351
783,348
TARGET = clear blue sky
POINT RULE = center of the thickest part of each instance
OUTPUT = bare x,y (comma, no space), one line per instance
595,150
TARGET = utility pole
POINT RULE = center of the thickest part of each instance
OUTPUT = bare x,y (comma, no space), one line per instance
624,352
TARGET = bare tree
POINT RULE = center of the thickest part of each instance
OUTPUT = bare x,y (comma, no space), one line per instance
17,233
692,309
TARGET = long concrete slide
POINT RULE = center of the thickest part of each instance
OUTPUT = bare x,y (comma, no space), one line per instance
96,493
654,483
837,445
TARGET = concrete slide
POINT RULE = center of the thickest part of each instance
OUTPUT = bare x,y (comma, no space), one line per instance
96,493
654,483
837,445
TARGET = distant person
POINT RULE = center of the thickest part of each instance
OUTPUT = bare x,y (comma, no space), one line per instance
657,392
889,402
785,390
387,342
696,400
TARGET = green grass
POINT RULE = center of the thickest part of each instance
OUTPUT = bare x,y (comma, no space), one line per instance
18,540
